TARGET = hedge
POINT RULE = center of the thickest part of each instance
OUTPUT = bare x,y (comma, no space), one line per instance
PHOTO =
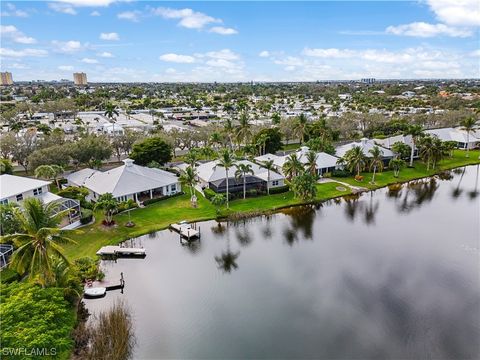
341,173
86,216
279,189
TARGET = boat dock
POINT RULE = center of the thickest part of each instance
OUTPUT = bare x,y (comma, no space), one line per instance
115,250
186,230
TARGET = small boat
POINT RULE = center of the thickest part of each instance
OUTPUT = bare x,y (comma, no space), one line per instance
95,292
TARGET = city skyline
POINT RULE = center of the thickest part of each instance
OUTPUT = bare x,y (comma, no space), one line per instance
117,41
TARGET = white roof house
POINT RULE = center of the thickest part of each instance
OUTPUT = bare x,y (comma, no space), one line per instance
324,161
15,189
366,146
458,135
129,181
388,142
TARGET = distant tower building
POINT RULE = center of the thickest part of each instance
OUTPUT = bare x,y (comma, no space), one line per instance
368,80
6,78
80,78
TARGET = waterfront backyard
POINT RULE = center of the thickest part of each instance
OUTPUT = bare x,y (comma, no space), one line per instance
159,215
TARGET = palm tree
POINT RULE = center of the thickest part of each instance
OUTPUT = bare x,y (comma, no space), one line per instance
376,161
276,118
312,162
215,139
355,159
396,164
111,112
468,124
228,130
416,131
269,165
227,161
300,127
49,172
304,187
189,178
292,166
242,171
243,131
218,200
191,157
40,241
109,205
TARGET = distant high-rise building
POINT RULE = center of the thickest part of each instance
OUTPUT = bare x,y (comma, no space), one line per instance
80,78
6,78
368,80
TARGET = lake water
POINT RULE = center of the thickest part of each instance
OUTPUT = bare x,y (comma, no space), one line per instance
389,275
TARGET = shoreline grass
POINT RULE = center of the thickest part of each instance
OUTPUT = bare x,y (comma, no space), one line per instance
160,215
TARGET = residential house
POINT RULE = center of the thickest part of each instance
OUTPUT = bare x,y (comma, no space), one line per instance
366,145
212,175
15,189
463,139
129,181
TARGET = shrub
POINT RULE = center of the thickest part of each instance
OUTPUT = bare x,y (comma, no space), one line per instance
73,192
127,205
209,193
359,178
341,173
87,268
279,190
8,275
327,175
86,216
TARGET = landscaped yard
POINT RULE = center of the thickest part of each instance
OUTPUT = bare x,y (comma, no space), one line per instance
159,215
418,171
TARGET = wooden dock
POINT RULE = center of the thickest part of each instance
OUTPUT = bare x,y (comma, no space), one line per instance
118,251
186,230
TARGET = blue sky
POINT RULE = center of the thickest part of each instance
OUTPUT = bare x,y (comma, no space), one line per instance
240,41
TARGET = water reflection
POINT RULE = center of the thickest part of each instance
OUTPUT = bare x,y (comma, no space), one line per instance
381,287
457,191
474,193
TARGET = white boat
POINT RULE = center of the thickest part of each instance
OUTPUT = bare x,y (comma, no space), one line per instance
95,292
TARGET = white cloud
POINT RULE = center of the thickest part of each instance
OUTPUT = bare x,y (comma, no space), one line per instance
68,47
182,59
4,52
89,61
65,67
475,53
88,3
113,36
95,13
224,54
11,10
188,18
223,30
105,54
130,15
170,71
329,53
11,32
456,12
422,29
264,53
62,8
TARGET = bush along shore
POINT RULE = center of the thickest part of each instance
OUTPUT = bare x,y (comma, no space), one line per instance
159,215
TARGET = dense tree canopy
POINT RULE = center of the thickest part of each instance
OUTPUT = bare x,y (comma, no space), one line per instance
151,149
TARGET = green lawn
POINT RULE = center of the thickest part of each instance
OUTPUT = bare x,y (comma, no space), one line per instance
418,171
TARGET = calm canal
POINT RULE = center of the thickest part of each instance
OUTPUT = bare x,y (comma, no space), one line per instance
388,275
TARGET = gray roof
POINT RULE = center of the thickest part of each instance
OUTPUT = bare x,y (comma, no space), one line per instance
211,171
127,179
11,185
324,160
366,146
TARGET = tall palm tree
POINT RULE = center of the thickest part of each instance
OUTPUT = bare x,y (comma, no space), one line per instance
226,161
396,164
215,140
192,157
468,124
109,205
189,178
416,131
311,162
292,166
355,159
111,112
243,131
39,242
49,172
426,150
229,131
269,165
300,127
376,161
242,171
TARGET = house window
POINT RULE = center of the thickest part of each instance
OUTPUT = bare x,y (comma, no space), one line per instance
37,191
275,183
19,197
173,187
4,202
